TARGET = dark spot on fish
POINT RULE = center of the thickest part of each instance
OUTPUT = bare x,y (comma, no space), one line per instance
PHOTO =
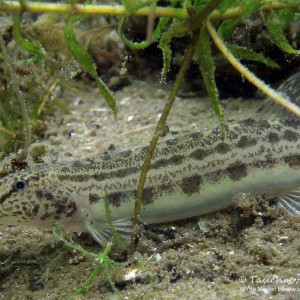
252,123
60,209
111,149
232,134
292,122
191,184
169,188
121,173
246,141
197,135
200,154
28,214
46,215
222,148
74,178
77,164
214,176
89,161
159,164
148,195
35,210
106,157
263,124
267,163
39,194
24,207
143,152
7,195
292,160
290,136
94,198
126,154
17,213
48,196
174,160
114,199
237,171
71,209
273,138
99,177
171,142
248,122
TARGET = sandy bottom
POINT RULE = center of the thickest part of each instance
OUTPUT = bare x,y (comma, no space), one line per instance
250,251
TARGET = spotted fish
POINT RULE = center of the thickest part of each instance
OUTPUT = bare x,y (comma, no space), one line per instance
189,176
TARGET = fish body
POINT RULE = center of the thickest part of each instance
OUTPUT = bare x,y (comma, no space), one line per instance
188,176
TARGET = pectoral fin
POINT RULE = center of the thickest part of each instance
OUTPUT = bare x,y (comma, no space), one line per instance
103,232
291,201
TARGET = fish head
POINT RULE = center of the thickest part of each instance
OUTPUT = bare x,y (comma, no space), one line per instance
33,198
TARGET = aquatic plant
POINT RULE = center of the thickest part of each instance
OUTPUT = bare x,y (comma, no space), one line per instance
102,260
205,22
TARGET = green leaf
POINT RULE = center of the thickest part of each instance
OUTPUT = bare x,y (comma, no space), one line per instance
161,26
276,23
177,29
34,48
244,53
249,6
207,67
131,6
164,45
129,43
227,4
87,63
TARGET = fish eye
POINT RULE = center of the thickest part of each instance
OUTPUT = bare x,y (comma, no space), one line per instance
20,185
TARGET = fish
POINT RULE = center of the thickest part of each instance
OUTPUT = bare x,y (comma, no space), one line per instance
189,176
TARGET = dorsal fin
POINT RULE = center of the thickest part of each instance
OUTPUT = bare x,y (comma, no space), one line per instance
290,89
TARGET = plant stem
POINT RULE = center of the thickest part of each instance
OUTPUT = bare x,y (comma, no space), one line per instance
115,10
118,10
89,280
19,97
159,127
248,74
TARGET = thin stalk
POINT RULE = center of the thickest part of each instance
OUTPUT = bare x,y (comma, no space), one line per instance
118,10
151,21
159,127
46,97
89,280
112,10
19,97
102,259
248,74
